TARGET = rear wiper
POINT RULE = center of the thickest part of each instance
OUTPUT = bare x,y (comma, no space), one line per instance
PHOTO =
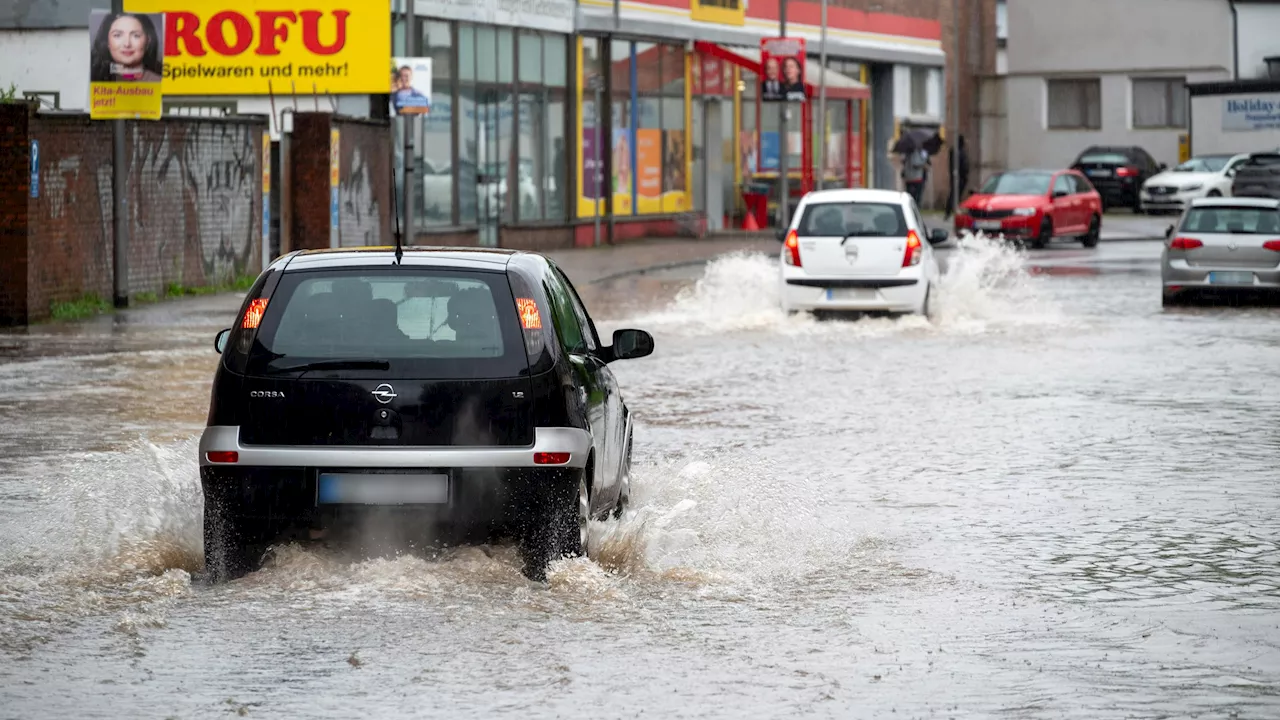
334,365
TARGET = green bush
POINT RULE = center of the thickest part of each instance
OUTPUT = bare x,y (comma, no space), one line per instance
86,306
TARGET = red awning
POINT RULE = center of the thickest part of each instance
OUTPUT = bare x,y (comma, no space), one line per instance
839,87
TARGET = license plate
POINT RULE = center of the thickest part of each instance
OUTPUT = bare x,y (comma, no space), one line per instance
381,489
850,294
1099,173
1231,278
988,224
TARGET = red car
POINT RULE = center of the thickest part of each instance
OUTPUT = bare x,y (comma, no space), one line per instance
1034,205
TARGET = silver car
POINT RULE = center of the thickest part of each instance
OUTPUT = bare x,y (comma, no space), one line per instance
1223,246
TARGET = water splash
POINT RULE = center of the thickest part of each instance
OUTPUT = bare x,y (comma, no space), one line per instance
984,285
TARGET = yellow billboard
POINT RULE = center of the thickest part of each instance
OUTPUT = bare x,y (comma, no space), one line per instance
256,47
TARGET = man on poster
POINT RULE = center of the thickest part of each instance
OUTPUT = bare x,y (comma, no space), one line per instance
782,62
411,86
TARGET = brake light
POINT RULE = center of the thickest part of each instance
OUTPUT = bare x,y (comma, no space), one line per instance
530,318
1183,243
793,248
912,255
223,456
550,458
1127,172
253,314
1273,245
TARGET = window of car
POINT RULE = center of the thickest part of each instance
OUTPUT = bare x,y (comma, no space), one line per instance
1104,158
1017,183
859,219
431,322
580,311
1063,184
1204,163
1228,219
569,329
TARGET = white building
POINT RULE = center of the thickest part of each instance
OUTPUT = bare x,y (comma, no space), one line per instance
1101,72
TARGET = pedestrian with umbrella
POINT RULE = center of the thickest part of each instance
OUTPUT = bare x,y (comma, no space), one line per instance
915,146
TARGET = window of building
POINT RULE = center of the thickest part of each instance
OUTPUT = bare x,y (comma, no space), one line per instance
674,152
1075,104
540,133
1159,103
622,144
555,74
594,144
433,141
729,12
919,90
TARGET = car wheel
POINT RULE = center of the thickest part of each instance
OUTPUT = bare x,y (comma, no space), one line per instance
556,525
233,544
1214,193
930,306
1091,238
1045,236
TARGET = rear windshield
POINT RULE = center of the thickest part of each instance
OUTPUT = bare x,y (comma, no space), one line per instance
1016,184
1264,160
1109,158
843,219
425,322
1247,220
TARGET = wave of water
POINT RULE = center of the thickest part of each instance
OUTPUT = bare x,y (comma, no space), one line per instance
984,286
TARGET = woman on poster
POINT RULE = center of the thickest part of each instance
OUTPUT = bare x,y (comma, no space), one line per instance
126,48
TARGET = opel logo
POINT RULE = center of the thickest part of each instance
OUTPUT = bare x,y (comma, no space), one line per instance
384,393
851,253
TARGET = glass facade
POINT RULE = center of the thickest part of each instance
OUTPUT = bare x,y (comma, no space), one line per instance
515,137
493,148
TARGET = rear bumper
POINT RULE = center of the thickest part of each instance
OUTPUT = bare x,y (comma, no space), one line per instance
900,294
1179,275
226,438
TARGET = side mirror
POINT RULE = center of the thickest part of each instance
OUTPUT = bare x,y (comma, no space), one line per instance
1168,232
937,236
631,344
220,341
1059,193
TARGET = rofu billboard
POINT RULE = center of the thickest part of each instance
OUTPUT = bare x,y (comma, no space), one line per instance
1250,113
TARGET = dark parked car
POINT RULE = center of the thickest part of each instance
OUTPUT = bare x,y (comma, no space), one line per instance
1118,173
453,389
1259,176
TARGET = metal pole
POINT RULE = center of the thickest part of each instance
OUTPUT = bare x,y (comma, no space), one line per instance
120,200
784,180
617,14
955,102
822,104
408,122
598,178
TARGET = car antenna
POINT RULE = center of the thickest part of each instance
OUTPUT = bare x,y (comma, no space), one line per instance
395,210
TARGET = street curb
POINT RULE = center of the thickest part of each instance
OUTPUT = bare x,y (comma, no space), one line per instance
669,266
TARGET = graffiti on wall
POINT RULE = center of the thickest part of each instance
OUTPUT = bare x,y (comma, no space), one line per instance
361,223
194,202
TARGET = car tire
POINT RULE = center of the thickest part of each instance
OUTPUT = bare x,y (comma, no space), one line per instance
1045,236
556,525
1090,238
1214,194
929,308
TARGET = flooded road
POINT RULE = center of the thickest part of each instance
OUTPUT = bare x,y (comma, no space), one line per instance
1060,501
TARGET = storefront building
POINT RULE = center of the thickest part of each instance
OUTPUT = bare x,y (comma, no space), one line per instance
517,153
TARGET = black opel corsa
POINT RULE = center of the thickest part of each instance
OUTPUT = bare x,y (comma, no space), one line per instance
455,389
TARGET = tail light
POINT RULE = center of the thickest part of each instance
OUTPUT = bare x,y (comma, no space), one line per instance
550,458
253,314
1183,243
912,254
792,245
1127,172
531,322
223,456
1273,245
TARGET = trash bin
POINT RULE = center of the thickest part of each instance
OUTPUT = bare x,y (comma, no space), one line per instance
755,197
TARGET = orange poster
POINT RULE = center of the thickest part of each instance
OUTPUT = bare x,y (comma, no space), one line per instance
649,170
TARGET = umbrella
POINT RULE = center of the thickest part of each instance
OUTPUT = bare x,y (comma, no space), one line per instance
915,138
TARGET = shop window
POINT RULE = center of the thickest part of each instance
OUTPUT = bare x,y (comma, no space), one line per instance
531,148
724,12
1074,104
919,91
675,185
506,52
593,145
648,131
555,74
433,145
1159,103
486,54
622,144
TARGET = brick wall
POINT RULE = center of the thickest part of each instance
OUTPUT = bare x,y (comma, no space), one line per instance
194,197
364,181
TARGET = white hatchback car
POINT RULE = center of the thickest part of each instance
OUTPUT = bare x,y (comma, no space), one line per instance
859,251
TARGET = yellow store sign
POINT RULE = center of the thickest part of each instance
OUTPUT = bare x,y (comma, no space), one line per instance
255,47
